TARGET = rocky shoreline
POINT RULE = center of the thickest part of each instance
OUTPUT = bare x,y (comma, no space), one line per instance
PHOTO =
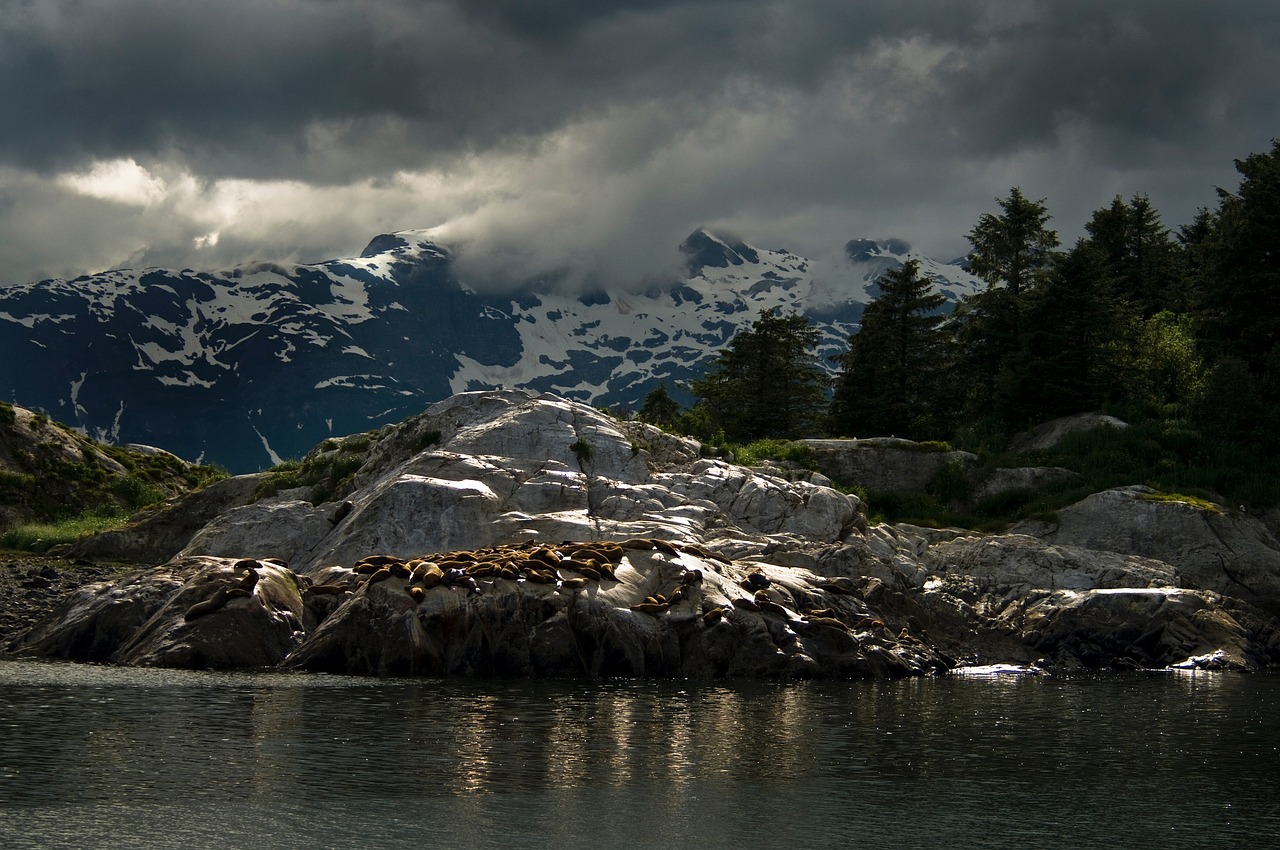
448,553
31,586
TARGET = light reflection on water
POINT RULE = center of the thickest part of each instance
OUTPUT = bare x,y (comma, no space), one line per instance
93,756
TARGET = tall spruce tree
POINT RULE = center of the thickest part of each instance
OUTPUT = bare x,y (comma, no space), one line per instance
1138,256
888,381
1014,253
1240,292
768,382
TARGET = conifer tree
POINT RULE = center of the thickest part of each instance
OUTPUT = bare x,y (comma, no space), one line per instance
1014,253
768,381
660,408
888,378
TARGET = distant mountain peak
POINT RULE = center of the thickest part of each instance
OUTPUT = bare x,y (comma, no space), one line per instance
863,250
704,249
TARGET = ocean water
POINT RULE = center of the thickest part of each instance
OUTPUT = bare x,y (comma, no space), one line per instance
104,757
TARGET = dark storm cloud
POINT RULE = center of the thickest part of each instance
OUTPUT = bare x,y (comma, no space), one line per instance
547,133
241,87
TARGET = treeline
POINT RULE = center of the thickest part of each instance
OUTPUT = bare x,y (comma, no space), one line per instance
1177,331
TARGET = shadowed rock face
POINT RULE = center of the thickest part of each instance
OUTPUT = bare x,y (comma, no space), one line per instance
448,556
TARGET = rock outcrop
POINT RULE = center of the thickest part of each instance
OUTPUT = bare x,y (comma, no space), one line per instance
447,552
885,463
1211,549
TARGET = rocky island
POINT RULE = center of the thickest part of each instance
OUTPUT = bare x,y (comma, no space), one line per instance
521,534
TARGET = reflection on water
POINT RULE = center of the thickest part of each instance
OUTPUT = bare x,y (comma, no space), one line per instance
93,756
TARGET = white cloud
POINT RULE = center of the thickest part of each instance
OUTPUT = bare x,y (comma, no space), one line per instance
120,180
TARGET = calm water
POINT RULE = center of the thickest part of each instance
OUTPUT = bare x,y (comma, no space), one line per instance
100,757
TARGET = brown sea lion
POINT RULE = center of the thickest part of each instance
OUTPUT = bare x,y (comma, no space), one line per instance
713,616
745,604
650,607
417,593
664,546
248,581
208,606
382,574
239,593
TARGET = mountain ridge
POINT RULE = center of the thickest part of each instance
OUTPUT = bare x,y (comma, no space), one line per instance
252,364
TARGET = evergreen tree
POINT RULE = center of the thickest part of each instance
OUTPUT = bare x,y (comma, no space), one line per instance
660,408
768,382
1015,248
1013,252
1138,256
1077,339
888,377
1240,287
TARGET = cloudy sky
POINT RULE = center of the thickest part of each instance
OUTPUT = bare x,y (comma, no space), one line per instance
592,135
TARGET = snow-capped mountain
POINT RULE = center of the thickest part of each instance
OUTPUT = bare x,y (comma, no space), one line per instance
252,364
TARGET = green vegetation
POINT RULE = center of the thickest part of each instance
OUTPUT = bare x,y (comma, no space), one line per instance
326,471
582,451
41,536
767,383
755,453
1176,333
69,486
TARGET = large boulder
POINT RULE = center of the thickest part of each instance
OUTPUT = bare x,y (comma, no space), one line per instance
1210,547
1049,434
512,466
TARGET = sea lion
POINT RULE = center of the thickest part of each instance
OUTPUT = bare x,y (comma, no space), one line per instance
573,583
239,593
612,552
208,606
377,560
417,593
664,546
650,607
713,616
769,606
246,564
689,578
745,604
755,581
822,612
248,581
642,543
279,562
581,567
382,574
840,584
546,556
341,512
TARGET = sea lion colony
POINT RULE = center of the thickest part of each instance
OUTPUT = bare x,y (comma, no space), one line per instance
568,566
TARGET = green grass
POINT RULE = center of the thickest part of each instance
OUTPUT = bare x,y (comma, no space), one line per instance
41,536
754,454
